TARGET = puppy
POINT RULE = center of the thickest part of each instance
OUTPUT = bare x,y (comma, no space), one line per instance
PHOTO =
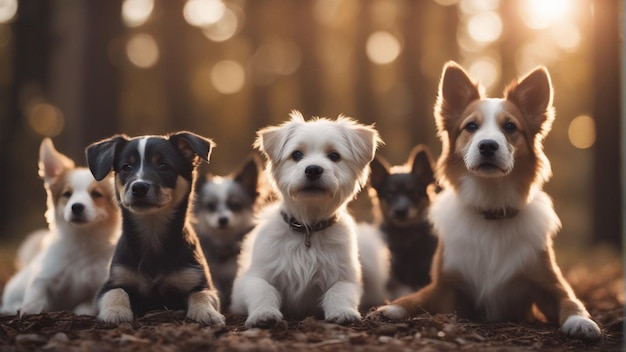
495,259
402,195
63,268
224,212
302,258
158,262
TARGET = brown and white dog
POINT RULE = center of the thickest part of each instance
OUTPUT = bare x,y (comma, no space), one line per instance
495,259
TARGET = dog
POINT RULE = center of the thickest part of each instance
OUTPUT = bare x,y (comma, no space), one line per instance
302,258
62,268
225,211
495,259
402,195
158,262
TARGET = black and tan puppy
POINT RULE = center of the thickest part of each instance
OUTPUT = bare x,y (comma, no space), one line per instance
158,262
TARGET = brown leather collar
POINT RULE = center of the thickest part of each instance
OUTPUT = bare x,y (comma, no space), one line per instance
296,226
499,214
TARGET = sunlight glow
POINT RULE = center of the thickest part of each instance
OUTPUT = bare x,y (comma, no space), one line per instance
136,12
485,27
8,9
566,36
276,57
382,47
226,27
539,14
582,132
46,119
485,69
228,77
142,50
201,13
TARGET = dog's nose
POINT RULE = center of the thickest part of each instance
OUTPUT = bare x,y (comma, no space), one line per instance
487,147
140,189
223,221
313,172
77,208
401,213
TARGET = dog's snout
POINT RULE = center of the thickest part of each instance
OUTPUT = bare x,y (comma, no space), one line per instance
78,208
313,172
223,221
487,147
140,189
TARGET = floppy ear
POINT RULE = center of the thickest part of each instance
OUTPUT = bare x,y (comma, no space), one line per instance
456,92
532,95
379,172
271,140
248,175
192,146
101,155
422,164
51,162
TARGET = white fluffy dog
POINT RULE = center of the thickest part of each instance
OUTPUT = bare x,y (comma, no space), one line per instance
302,259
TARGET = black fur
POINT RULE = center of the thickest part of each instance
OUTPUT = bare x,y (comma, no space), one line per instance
151,253
410,237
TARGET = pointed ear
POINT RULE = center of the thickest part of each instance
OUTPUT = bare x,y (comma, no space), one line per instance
248,175
532,95
192,146
51,162
379,172
422,164
456,92
101,155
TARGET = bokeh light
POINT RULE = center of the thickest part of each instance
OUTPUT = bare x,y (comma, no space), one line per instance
276,57
8,9
142,50
136,12
45,119
566,36
201,13
382,47
582,132
228,77
485,27
485,70
539,14
227,26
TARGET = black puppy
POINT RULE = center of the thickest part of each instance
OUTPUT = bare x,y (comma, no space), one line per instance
403,198
158,262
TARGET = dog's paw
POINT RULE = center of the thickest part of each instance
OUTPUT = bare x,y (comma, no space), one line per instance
206,315
264,318
114,307
34,307
582,328
387,312
346,316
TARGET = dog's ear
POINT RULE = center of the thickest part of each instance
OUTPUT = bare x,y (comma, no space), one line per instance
51,162
456,92
192,146
363,140
101,155
532,95
271,140
422,164
379,172
248,175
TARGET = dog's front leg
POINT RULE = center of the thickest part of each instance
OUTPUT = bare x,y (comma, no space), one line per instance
203,306
114,306
340,302
259,299
433,298
35,297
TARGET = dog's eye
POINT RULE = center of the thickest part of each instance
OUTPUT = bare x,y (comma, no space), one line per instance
211,207
96,194
509,127
164,167
471,126
334,156
234,206
67,194
127,167
297,155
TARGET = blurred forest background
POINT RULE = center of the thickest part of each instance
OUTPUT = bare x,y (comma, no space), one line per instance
82,70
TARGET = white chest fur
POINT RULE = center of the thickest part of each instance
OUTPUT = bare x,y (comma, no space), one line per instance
488,253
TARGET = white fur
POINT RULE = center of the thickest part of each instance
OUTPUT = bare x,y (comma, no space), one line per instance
375,260
278,273
488,253
581,327
68,271
114,307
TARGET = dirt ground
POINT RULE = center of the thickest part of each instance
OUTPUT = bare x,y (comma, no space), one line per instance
597,279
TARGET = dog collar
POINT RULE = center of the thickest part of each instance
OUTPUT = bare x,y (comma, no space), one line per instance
499,214
294,225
